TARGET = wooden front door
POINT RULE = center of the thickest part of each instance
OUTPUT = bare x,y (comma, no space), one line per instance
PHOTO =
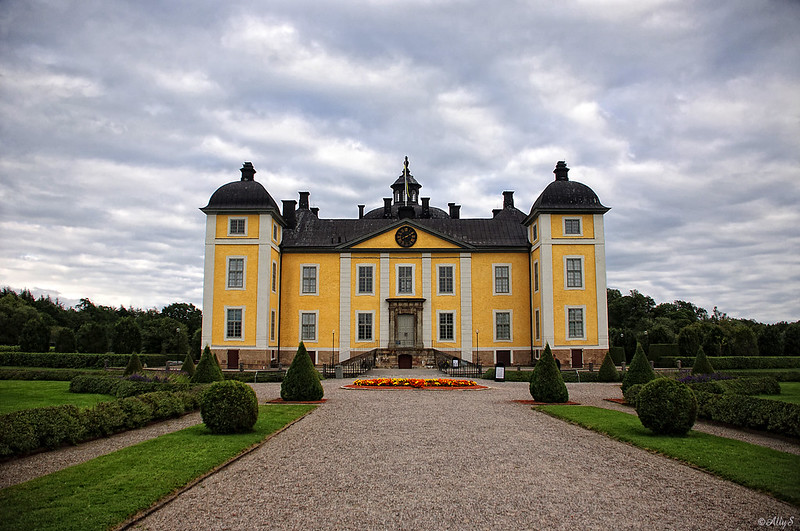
406,328
504,357
233,359
577,358
404,361
313,355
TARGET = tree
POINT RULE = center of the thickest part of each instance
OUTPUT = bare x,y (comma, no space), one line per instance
547,385
713,336
608,371
744,342
34,336
92,338
639,372
14,313
770,340
188,365
65,340
127,338
301,382
690,339
791,340
164,335
701,363
208,369
186,314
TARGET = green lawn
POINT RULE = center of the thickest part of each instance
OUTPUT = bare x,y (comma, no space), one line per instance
750,465
104,492
25,394
790,392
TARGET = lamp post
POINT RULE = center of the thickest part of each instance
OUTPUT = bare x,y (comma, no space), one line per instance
477,348
333,346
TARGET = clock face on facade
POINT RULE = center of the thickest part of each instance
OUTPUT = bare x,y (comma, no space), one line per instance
405,236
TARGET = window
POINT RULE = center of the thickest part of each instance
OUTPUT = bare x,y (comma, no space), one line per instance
572,226
365,276
235,273
274,276
308,326
272,325
536,276
575,323
275,231
233,323
446,284
574,267
502,279
536,325
237,226
446,326
405,280
502,326
309,280
535,232
364,326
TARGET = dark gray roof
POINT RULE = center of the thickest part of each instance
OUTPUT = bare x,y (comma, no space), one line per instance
502,231
241,195
433,212
563,195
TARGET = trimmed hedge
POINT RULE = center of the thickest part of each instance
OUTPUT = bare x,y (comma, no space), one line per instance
53,375
742,411
75,360
759,385
29,430
662,350
631,394
781,376
722,363
122,387
617,354
263,376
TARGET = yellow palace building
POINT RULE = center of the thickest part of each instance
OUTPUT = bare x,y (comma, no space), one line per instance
404,281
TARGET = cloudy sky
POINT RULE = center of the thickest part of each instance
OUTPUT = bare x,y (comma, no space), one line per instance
119,119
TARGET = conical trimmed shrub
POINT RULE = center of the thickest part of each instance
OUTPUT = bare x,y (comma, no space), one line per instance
301,382
640,371
207,369
188,365
134,365
701,363
547,385
608,371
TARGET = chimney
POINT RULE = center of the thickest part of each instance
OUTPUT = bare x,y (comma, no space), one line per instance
288,212
387,207
454,210
496,211
561,171
315,211
426,207
304,200
361,211
508,199
248,171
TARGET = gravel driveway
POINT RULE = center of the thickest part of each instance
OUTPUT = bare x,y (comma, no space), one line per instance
411,459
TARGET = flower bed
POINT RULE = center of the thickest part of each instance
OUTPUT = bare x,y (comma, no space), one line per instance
416,383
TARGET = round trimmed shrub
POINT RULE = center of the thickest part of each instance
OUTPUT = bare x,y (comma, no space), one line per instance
208,369
229,407
639,372
547,385
608,371
301,382
632,393
666,407
701,363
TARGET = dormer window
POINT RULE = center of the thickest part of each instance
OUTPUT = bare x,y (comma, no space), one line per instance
237,227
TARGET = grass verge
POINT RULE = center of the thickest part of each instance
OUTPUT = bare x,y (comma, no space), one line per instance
108,490
747,464
16,395
790,392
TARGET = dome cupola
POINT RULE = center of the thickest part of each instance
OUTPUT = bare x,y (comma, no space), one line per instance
563,195
245,194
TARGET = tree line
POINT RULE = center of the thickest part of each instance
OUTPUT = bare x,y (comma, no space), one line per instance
37,325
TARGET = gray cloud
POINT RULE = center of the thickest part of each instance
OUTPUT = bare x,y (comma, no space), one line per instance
118,121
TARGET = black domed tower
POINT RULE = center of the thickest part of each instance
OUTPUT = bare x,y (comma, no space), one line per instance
244,228
568,269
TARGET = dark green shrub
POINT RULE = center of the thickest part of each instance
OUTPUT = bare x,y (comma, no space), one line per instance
92,338
136,412
725,363
195,344
639,372
690,338
134,365
65,340
28,430
208,369
546,382
257,376
127,338
229,407
632,393
759,385
701,363
188,365
301,382
666,407
34,336
660,350
74,360
97,384
749,412
617,354
608,371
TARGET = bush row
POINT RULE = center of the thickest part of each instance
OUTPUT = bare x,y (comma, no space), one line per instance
53,375
121,387
758,385
261,377
781,376
663,350
75,360
29,430
735,362
742,411
525,376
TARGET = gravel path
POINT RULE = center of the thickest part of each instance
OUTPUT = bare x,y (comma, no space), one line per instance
411,459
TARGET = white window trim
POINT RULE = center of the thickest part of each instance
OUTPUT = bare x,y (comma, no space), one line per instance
316,283
510,326
372,331
276,232
237,235
536,274
534,232
413,280
438,328
438,267
566,322
228,273
227,338
494,280
583,272
273,325
358,285
564,227
273,281
300,326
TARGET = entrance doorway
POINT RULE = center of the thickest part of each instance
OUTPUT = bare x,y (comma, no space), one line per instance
577,358
233,359
404,361
313,355
504,357
406,327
